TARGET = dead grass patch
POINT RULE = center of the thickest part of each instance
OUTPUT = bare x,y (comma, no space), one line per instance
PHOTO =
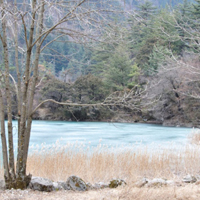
194,137
103,164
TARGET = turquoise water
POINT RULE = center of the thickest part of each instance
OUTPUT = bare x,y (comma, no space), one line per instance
114,134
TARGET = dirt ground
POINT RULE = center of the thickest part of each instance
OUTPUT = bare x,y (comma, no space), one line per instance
188,192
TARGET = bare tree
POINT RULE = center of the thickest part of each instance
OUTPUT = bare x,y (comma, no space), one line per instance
24,29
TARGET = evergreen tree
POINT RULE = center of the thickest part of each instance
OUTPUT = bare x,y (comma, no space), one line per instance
183,18
142,33
117,69
196,11
102,52
146,10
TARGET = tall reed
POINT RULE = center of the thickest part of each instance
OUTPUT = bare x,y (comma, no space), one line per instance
102,163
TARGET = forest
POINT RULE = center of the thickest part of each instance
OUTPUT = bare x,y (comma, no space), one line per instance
150,55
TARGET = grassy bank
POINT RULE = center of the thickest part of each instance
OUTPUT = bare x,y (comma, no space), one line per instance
101,164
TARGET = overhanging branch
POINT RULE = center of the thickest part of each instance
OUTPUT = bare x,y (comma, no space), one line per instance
74,104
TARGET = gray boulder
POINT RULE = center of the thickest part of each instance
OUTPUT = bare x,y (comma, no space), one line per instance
116,182
189,179
76,183
41,184
156,182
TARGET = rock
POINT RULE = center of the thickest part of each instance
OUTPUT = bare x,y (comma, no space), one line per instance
172,183
100,185
2,184
116,182
189,179
197,177
63,185
41,184
76,183
57,186
89,186
141,183
156,182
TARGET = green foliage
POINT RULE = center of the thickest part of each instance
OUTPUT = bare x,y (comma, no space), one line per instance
56,54
157,58
89,88
142,33
112,63
134,75
117,70
146,10
145,40
196,11
144,52
103,51
79,61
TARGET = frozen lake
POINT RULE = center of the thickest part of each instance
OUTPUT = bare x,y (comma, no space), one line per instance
114,134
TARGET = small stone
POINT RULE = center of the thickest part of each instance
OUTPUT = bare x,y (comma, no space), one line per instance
171,183
141,183
89,186
116,182
189,179
156,182
63,185
100,185
76,183
57,186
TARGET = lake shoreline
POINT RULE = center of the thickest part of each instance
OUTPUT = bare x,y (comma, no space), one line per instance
139,170
164,124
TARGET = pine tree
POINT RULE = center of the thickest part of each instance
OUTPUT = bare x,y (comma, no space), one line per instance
146,10
196,11
142,33
183,18
117,69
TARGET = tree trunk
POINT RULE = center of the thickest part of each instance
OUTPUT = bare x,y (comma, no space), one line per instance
22,180
3,141
11,178
34,81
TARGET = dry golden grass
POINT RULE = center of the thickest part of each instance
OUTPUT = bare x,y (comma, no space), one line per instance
102,164
194,137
